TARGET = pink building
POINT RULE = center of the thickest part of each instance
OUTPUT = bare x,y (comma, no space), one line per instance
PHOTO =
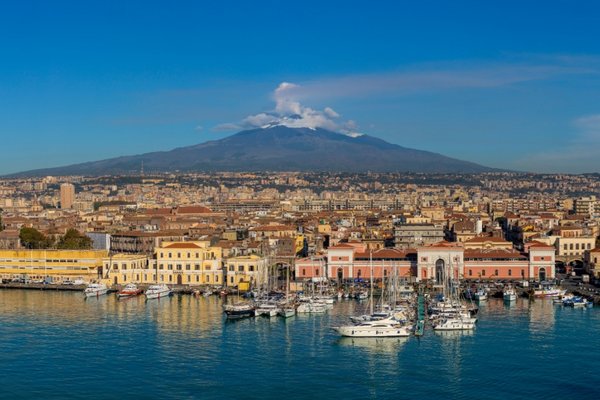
429,263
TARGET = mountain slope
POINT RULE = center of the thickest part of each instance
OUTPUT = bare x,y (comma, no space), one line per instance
277,148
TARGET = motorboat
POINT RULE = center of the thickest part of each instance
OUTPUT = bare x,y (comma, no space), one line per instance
239,310
480,295
157,291
453,324
577,302
383,328
509,294
130,290
95,290
548,291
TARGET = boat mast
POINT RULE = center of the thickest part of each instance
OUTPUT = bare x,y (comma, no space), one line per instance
371,265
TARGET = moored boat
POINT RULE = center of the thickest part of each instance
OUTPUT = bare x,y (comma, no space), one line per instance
95,290
130,290
383,328
239,310
158,291
509,294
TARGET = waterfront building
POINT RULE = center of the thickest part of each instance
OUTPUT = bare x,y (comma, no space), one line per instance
57,265
121,269
189,263
430,263
247,271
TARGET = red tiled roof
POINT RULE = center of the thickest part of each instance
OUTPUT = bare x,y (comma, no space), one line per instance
193,210
184,245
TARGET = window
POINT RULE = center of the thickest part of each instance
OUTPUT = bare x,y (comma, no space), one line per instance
124,278
161,255
510,272
161,266
232,268
169,255
232,279
162,278
565,247
188,267
197,267
178,255
170,266
189,255
197,255
470,272
303,272
576,246
178,267
251,268
189,278
217,279
170,278
496,272
241,268
116,266
571,246
589,246
153,277
483,272
316,271
124,266
197,278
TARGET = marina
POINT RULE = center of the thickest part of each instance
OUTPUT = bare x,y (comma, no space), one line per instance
529,340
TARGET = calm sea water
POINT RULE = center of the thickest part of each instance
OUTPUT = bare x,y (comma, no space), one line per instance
58,345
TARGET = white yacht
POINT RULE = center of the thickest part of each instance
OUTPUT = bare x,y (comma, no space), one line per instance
95,290
509,294
311,308
383,328
157,291
453,324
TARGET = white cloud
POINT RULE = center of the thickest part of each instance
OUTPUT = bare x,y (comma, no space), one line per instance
291,113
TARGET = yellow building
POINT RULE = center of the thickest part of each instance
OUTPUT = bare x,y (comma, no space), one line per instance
247,271
58,265
189,263
121,269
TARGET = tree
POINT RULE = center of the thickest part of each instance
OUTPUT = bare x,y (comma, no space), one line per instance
31,238
74,240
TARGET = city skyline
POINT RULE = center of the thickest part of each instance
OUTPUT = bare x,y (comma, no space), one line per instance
510,86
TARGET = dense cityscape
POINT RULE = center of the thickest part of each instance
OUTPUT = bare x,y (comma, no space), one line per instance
253,221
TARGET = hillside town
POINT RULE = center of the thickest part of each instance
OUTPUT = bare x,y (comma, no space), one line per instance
234,229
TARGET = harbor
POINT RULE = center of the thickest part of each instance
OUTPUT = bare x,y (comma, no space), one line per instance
301,355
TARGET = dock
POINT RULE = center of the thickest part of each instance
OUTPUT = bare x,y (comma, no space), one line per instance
420,328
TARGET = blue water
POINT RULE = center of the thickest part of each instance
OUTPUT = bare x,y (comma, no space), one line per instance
58,345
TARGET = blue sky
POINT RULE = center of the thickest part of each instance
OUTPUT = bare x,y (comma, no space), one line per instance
511,84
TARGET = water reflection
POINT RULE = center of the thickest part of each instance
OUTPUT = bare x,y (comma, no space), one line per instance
374,345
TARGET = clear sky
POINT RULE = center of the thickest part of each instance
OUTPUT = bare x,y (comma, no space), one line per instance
509,84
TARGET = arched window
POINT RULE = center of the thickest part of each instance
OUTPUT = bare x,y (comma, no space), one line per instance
439,271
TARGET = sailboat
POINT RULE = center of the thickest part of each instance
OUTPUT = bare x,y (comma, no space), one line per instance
450,314
288,309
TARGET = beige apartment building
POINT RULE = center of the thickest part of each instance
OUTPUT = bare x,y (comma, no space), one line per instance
67,195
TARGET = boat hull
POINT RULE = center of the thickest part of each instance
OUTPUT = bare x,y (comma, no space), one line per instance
158,295
96,293
354,331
